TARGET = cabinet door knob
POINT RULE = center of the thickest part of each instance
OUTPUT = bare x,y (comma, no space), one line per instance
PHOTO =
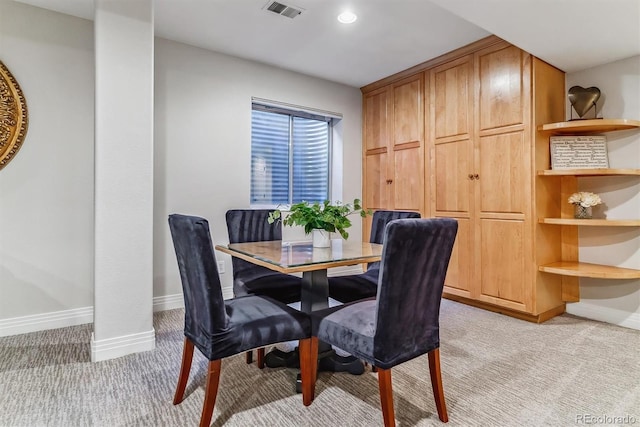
471,176
476,176
389,181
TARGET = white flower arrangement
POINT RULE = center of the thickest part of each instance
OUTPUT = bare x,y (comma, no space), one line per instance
585,199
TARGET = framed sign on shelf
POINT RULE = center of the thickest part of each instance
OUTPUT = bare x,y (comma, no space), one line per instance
579,152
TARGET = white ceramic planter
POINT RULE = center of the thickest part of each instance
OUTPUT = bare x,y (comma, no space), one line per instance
321,238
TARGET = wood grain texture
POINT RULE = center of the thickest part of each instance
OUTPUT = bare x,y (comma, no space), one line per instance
548,106
592,222
377,109
502,260
375,193
452,163
408,180
503,173
452,99
453,173
436,384
295,257
589,172
481,148
460,264
518,314
501,87
589,126
583,269
394,165
407,110
386,397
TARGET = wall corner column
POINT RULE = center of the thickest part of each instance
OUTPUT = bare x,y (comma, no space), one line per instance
123,182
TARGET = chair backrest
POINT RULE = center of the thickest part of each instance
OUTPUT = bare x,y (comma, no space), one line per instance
250,225
204,312
379,222
414,264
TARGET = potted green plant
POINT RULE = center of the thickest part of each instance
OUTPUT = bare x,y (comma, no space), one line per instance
321,218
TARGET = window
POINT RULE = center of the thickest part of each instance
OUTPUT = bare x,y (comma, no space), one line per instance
290,155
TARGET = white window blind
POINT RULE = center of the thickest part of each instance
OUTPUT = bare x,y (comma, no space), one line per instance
290,156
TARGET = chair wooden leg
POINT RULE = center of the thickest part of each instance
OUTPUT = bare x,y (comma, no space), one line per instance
314,364
185,368
211,392
249,356
386,397
309,357
306,369
436,384
261,358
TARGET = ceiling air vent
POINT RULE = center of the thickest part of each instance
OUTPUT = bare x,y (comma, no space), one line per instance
283,9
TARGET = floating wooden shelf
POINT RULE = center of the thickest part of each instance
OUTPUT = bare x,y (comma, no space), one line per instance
589,172
590,126
592,222
583,269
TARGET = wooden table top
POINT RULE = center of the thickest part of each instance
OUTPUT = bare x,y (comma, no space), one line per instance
294,257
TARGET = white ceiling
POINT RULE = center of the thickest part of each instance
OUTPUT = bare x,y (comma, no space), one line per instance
392,35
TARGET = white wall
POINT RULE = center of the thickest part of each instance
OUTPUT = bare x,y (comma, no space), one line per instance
203,140
614,301
46,191
202,148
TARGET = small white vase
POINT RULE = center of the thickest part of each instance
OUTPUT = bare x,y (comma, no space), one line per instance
321,238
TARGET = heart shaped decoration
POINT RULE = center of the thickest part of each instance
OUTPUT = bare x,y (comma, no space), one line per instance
583,99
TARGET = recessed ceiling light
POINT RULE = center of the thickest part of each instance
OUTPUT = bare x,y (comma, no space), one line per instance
347,17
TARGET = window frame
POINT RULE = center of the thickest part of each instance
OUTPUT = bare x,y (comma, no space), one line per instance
295,111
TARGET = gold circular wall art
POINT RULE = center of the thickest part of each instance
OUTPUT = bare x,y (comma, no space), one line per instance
13,116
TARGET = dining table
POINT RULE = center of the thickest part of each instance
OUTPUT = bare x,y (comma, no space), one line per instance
291,257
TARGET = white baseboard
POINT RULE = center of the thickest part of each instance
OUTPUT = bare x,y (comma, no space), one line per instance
112,348
168,302
605,314
73,317
44,321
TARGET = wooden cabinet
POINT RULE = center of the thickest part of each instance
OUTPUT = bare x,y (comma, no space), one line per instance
566,263
482,150
393,130
452,166
484,103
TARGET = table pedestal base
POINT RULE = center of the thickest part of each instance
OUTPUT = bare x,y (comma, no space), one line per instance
328,361
315,296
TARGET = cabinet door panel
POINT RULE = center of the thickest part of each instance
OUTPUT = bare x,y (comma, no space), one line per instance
407,111
502,259
453,163
460,265
408,187
452,99
501,88
376,133
376,188
504,168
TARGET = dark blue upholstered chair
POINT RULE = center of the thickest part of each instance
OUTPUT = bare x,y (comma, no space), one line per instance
402,322
360,286
251,225
220,328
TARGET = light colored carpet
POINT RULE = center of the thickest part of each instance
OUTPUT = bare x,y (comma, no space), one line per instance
497,371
